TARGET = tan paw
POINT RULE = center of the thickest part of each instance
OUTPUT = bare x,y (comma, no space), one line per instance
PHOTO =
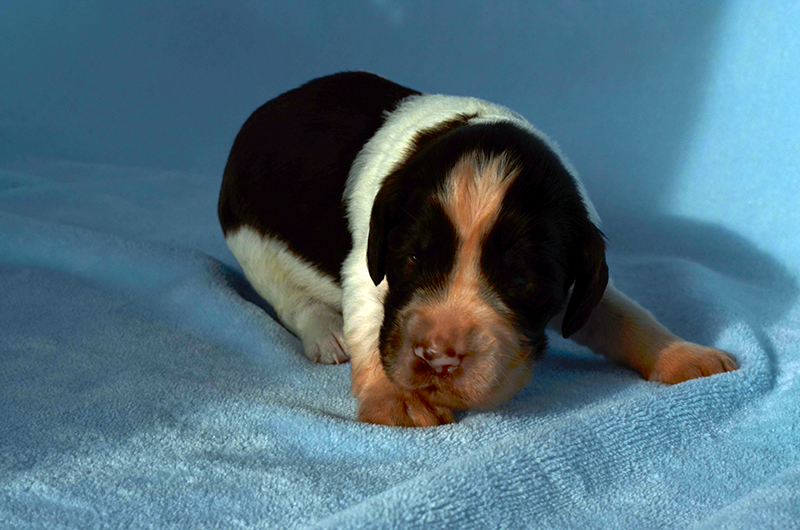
402,409
682,361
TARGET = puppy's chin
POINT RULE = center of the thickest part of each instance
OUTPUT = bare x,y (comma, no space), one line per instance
481,379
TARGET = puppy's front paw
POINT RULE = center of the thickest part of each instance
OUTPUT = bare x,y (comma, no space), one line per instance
682,361
402,409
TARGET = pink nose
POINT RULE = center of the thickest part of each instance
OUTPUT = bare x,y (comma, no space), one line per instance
443,360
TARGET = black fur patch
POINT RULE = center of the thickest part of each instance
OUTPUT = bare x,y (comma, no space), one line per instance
529,254
569,248
289,163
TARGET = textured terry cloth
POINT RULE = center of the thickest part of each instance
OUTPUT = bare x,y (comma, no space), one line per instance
143,384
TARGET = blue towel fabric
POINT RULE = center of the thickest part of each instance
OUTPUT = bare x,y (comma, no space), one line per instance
143,384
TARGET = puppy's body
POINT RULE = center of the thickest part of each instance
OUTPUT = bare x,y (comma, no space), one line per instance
431,239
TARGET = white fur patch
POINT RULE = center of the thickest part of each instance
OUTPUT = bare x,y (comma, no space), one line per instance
308,302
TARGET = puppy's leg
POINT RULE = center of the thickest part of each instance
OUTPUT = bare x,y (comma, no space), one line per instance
379,399
308,302
623,331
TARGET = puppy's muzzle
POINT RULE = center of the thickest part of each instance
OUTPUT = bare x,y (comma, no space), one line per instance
458,355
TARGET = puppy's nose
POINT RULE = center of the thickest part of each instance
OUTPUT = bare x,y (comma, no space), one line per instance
442,358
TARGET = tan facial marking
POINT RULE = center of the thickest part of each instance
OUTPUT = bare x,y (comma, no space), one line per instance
472,200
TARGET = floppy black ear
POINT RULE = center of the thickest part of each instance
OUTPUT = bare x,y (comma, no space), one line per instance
376,243
591,278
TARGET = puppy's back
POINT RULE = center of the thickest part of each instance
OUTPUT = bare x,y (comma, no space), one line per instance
289,163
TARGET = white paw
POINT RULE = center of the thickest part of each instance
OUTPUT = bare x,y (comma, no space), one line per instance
323,338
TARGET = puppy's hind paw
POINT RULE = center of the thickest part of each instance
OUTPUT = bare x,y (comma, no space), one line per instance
323,339
329,349
682,361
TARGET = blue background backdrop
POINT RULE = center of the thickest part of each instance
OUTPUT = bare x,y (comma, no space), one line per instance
141,382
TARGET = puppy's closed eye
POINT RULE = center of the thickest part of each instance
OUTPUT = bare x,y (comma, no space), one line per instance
519,281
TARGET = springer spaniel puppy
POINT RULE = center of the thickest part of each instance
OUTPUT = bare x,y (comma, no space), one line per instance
431,240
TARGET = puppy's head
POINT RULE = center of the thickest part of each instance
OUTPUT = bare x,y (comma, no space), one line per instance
480,235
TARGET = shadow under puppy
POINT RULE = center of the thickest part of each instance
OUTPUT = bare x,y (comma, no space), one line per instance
431,240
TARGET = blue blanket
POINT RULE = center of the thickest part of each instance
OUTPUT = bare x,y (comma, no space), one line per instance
144,384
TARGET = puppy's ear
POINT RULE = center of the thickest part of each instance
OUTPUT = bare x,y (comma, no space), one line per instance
378,228
591,278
